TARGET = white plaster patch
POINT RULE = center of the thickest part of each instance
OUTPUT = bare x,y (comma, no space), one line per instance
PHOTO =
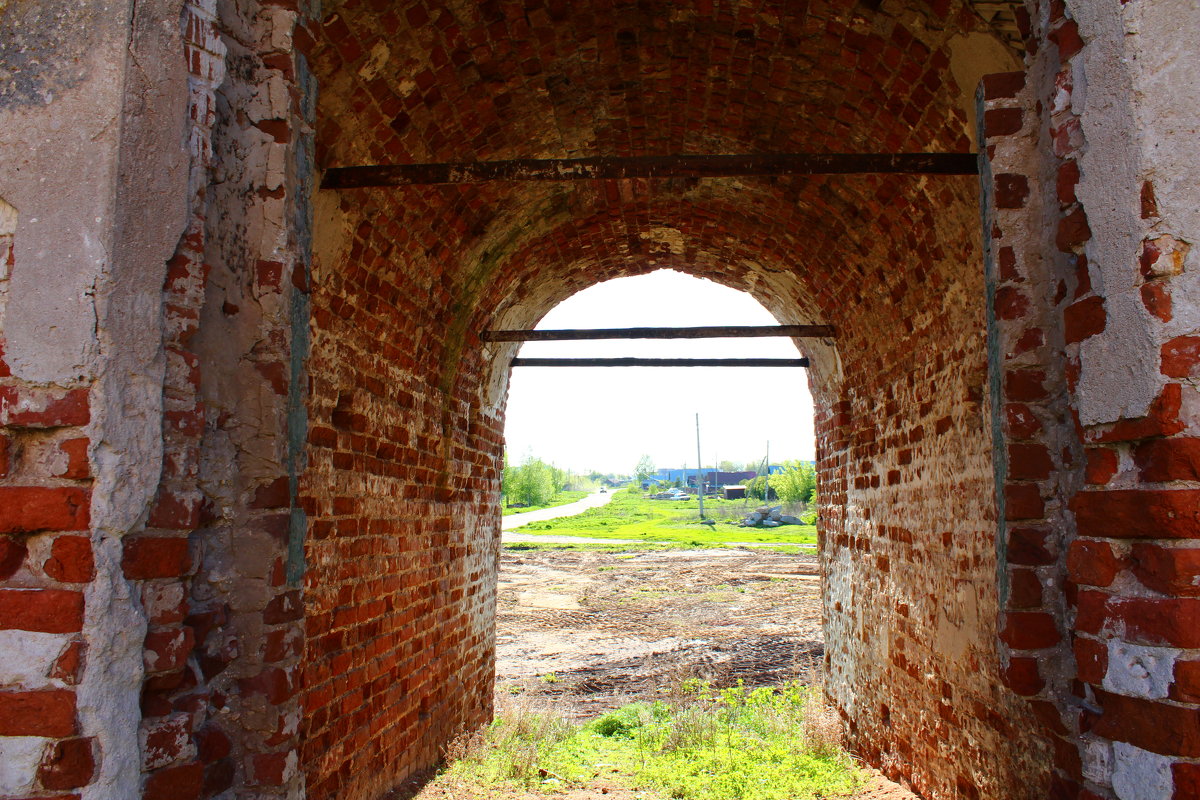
162,600
1141,775
166,741
26,658
108,696
1097,761
279,35
1139,671
670,239
291,766
1119,376
19,759
375,62
958,617
8,219
151,658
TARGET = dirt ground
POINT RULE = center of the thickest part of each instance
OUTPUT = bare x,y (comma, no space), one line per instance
585,632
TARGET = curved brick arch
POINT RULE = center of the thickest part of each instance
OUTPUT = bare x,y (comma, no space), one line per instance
403,390
273,402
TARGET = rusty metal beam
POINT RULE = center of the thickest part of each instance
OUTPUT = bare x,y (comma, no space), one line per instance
677,166
660,362
711,332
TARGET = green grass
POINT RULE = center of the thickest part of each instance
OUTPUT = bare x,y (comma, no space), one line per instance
597,547
629,516
560,499
733,744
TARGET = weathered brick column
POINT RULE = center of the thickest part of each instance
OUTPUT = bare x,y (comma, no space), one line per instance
1093,356
1132,338
93,177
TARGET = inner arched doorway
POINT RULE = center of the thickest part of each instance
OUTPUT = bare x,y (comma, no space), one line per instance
406,280
250,433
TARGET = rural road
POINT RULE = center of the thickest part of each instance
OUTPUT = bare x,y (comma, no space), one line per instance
593,500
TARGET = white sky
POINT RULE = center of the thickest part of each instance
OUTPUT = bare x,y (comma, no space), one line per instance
606,418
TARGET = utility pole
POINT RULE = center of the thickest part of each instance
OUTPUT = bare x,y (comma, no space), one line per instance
700,470
767,486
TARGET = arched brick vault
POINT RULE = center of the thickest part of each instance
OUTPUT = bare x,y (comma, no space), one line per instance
248,464
405,280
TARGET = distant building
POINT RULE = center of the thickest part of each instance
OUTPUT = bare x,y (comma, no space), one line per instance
712,478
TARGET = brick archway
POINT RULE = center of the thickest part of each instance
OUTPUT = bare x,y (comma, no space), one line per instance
249,437
894,262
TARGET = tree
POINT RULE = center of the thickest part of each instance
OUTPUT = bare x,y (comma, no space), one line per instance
533,483
645,469
796,483
756,488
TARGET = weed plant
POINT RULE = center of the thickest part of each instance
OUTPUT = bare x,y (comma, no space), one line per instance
768,743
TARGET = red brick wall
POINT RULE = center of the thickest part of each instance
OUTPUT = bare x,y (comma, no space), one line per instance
318,566
45,565
908,521
1037,457
406,403
401,493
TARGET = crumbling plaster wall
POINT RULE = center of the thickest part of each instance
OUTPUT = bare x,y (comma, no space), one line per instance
1094,314
1136,101
1134,93
92,110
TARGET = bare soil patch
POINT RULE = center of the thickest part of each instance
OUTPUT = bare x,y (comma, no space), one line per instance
588,632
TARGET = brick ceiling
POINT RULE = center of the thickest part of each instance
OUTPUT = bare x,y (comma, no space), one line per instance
456,80
1002,17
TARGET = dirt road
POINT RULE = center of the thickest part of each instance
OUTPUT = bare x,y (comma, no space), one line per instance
585,632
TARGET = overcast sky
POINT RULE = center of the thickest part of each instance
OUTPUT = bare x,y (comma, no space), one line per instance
606,418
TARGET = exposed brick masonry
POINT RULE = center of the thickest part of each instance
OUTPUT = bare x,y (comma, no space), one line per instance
45,564
405,416
1010,589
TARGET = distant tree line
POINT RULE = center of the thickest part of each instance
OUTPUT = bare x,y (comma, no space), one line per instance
533,482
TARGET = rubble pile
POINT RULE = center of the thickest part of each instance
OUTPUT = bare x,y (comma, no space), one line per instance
769,517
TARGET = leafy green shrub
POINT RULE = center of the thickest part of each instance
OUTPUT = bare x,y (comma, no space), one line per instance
624,721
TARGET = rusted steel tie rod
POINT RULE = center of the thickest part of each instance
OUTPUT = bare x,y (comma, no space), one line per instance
670,166
711,332
660,362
